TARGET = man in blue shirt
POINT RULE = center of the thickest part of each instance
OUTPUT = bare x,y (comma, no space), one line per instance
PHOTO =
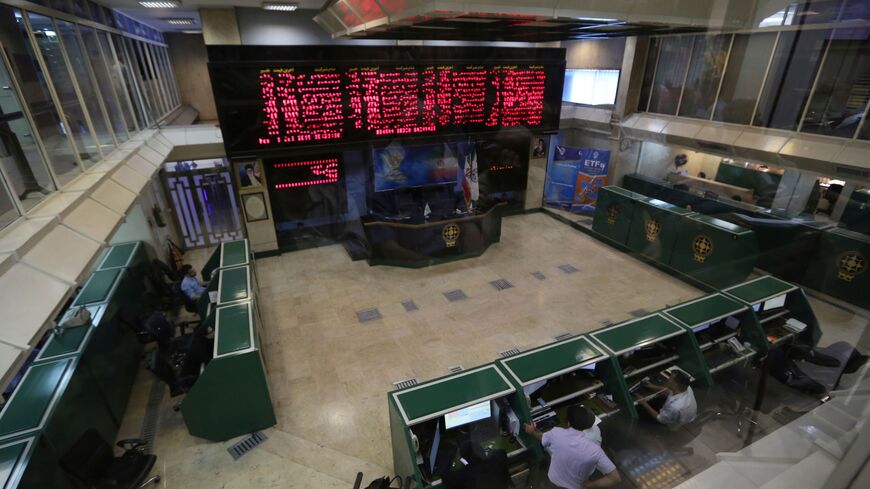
190,285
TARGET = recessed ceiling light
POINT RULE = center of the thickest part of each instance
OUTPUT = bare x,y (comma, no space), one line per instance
180,21
281,6
160,3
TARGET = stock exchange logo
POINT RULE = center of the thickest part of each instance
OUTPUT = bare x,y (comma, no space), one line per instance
849,265
653,228
703,247
450,233
612,213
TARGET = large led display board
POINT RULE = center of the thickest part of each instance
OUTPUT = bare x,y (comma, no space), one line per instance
271,98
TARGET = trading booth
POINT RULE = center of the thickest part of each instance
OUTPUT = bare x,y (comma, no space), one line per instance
554,377
649,347
429,422
228,254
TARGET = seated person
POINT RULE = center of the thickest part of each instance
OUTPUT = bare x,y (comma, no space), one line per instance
678,408
190,285
486,469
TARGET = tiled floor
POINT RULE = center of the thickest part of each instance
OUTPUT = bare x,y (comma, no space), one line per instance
329,372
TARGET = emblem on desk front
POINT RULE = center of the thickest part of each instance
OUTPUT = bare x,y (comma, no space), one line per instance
612,214
450,233
849,265
703,247
653,228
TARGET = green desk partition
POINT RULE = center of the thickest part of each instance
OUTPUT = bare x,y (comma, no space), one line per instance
422,407
654,228
700,314
613,213
69,341
228,254
552,362
40,388
713,251
14,458
234,284
840,265
99,286
231,396
773,302
626,337
121,255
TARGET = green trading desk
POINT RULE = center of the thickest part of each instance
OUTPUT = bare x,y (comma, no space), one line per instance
765,294
417,409
231,285
124,255
840,266
705,317
627,337
14,458
613,213
654,228
560,365
713,251
228,254
231,396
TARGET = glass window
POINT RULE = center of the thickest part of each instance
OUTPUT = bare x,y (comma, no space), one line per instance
744,75
855,10
143,77
843,87
159,85
648,72
168,77
70,40
790,78
670,74
708,62
8,212
116,74
122,57
591,87
47,40
101,76
23,166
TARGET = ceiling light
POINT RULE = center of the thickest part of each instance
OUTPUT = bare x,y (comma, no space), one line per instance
180,21
160,3
281,6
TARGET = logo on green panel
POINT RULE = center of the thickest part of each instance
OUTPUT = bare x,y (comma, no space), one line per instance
703,247
450,233
849,265
612,213
653,228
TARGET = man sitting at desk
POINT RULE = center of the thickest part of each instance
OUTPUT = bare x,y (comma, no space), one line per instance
679,407
190,285
481,470
573,457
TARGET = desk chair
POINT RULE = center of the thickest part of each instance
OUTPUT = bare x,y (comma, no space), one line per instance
91,462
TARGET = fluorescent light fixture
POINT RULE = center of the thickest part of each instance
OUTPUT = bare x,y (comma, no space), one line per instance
160,3
281,6
179,21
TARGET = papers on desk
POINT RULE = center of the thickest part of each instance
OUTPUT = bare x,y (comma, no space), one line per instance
212,296
795,326
774,303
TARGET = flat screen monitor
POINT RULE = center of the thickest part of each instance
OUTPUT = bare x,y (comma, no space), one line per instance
463,416
701,327
436,443
774,303
591,367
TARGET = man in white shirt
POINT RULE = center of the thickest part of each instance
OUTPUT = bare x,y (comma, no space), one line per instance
680,406
573,457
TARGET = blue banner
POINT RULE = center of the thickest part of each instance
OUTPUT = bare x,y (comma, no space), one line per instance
574,177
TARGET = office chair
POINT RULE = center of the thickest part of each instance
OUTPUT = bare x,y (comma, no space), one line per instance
90,460
161,365
166,283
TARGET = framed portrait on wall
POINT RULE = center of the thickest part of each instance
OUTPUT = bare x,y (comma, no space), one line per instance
539,147
249,175
255,207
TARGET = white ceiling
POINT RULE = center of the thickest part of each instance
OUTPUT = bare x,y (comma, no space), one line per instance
189,8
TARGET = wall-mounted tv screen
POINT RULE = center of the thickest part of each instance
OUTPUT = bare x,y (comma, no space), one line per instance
274,97
414,166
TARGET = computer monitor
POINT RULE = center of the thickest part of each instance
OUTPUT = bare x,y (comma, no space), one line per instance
463,416
774,303
591,367
436,443
701,327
